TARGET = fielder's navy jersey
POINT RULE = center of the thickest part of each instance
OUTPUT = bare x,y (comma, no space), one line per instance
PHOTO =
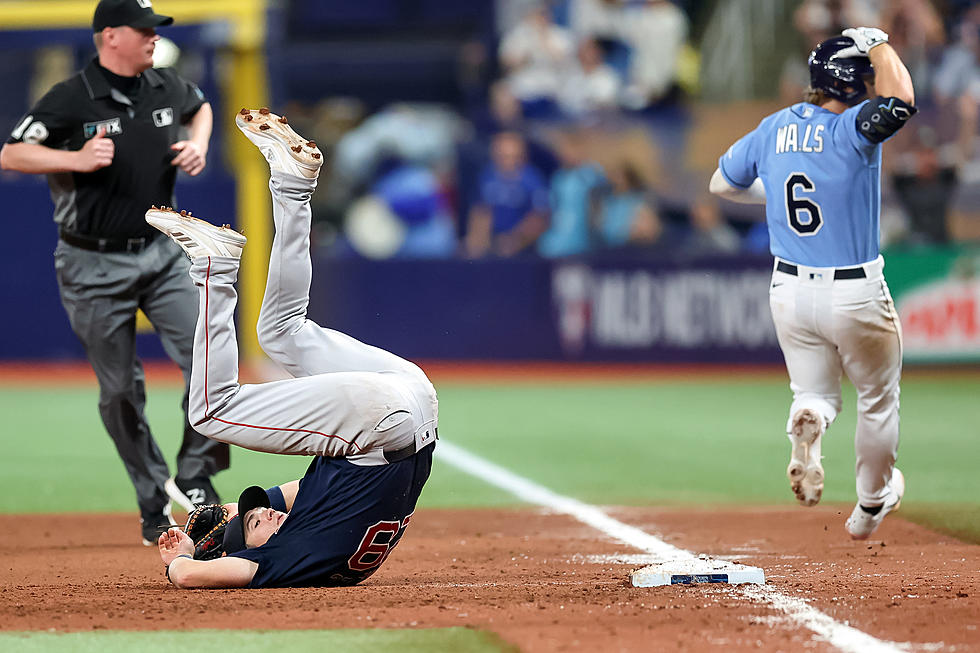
345,521
822,181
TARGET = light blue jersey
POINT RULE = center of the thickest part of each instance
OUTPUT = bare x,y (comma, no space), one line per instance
822,181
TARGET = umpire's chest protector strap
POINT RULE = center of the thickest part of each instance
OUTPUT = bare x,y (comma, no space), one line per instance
883,116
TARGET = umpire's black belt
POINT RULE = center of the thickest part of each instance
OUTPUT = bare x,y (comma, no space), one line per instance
839,273
96,244
404,452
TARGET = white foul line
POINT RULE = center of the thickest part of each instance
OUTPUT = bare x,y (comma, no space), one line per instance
850,640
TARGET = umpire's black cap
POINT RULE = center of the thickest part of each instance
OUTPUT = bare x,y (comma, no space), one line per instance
134,13
251,497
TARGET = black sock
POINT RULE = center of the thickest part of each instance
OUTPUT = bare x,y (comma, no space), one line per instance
871,511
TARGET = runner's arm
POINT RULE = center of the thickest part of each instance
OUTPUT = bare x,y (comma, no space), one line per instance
754,194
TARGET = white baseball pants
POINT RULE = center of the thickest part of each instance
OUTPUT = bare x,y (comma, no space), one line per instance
347,399
827,327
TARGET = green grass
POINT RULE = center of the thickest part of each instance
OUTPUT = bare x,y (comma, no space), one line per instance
633,443
459,640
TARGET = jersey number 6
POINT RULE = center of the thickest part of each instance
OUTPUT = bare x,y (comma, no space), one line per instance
377,543
795,206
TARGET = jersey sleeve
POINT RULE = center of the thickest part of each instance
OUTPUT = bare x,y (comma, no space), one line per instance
48,122
191,97
276,498
847,130
740,164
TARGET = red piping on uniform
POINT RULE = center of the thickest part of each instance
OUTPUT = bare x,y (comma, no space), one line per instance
207,355
207,336
278,428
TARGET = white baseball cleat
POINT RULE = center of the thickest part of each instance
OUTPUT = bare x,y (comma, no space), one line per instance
862,523
178,497
284,149
197,238
805,472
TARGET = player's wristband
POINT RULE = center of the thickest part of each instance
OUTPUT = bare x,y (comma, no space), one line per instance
182,555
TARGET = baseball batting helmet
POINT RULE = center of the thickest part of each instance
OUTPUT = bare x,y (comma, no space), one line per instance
841,79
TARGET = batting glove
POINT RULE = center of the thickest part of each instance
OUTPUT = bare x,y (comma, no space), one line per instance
864,39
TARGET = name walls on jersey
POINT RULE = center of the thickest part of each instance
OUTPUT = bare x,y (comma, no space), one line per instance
788,139
601,309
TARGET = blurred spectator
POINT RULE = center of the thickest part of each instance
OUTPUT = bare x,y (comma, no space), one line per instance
536,55
511,209
925,179
624,211
417,133
506,114
571,198
650,235
413,195
655,31
756,239
510,13
371,230
915,29
818,20
594,18
958,73
710,233
590,85
502,114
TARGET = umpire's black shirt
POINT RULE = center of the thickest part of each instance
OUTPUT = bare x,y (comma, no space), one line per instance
143,121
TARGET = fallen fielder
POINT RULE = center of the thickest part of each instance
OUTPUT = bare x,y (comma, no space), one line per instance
368,417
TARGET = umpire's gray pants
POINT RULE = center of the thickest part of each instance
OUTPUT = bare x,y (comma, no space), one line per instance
101,292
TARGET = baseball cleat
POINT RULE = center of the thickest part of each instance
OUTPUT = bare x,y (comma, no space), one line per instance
152,525
178,497
197,238
284,149
805,472
188,494
862,523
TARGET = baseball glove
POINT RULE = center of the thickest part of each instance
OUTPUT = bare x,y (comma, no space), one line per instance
206,528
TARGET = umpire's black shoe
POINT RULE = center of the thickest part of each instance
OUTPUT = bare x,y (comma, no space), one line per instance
189,493
155,523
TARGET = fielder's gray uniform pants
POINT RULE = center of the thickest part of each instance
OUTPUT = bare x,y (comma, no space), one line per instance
101,292
828,327
347,399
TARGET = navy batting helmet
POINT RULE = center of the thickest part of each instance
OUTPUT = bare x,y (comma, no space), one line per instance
839,78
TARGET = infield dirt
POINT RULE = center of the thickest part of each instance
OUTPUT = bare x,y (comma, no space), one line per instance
544,582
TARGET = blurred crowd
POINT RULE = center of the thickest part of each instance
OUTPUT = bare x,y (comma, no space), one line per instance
573,130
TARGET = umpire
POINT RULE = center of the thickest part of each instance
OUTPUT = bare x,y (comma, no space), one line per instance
110,140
